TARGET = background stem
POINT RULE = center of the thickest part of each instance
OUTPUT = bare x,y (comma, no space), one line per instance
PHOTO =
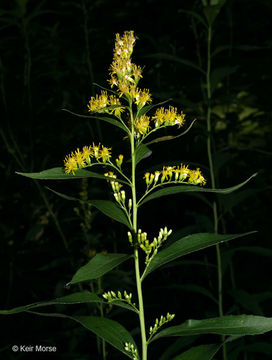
212,176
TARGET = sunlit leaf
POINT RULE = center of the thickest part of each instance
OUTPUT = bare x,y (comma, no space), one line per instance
98,266
107,207
201,352
226,325
75,298
59,174
187,245
186,188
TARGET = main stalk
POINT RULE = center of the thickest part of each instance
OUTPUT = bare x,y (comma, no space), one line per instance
136,255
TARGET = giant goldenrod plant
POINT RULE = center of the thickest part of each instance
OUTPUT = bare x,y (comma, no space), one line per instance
128,107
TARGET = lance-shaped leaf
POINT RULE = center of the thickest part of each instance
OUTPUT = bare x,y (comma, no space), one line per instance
107,207
109,330
103,118
187,245
58,173
75,298
187,188
98,266
226,325
203,352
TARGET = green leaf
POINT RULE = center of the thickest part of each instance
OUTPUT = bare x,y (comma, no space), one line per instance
98,266
187,245
186,188
226,325
203,352
107,207
173,58
75,298
103,118
142,152
171,137
147,108
59,174
211,12
109,330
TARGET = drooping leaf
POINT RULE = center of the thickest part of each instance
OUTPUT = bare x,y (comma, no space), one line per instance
107,207
170,137
187,245
75,298
103,118
98,266
142,152
59,174
109,330
203,352
186,188
226,325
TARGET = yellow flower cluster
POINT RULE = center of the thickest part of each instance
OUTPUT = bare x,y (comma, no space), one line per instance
82,158
123,73
101,103
175,174
168,117
142,125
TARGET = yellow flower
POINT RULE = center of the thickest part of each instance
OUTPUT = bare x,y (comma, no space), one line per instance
99,102
195,177
96,151
114,101
87,154
142,125
142,97
168,117
70,164
105,153
78,155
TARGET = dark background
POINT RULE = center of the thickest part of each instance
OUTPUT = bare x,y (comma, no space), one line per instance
51,54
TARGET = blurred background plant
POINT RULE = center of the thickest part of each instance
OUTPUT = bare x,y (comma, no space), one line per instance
51,53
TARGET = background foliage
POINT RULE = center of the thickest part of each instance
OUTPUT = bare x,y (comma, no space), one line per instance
51,53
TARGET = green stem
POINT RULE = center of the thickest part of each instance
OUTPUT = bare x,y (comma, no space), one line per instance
212,176
104,354
136,255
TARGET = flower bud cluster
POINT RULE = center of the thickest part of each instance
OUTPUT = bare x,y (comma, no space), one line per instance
160,322
111,296
119,160
82,158
131,350
157,242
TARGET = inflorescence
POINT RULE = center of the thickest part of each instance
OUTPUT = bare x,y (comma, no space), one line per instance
159,323
174,174
82,158
150,249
